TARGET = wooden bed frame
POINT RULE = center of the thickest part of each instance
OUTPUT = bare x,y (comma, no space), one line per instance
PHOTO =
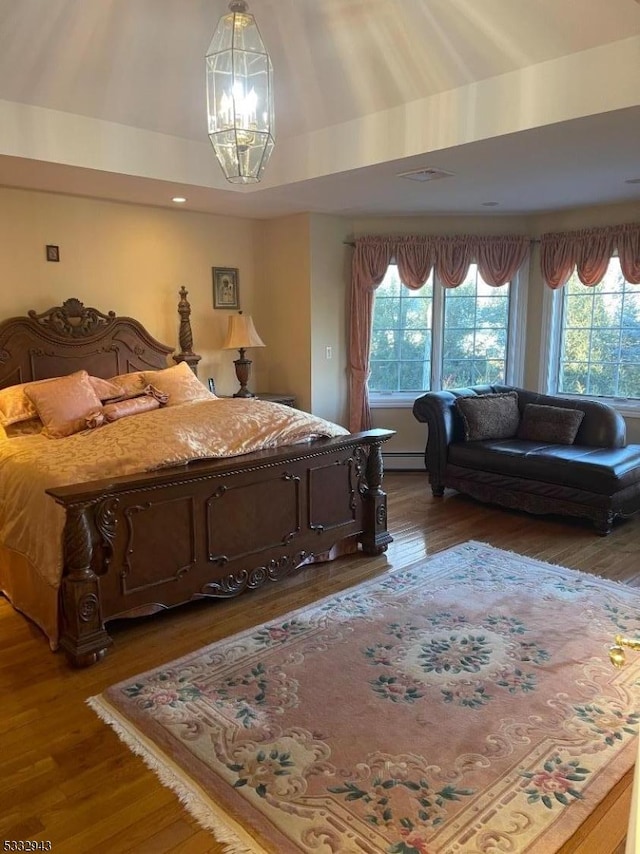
137,544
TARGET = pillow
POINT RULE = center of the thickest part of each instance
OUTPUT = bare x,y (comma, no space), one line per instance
64,404
129,384
179,383
489,416
105,389
23,428
553,424
15,406
123,408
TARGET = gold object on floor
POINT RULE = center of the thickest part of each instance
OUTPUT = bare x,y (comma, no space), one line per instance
617,653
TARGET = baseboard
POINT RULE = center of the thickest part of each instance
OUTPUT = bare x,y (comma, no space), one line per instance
403,461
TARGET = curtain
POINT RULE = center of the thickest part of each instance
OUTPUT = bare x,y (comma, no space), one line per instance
588,252
498,259
629,251
371,257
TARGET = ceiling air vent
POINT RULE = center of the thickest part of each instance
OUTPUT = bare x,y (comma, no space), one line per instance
429,173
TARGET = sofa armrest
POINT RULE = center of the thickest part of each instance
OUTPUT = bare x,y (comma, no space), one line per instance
438,410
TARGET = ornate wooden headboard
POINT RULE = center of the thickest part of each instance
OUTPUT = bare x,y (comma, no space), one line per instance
70,337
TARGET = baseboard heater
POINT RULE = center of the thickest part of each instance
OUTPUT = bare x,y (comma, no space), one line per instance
404,461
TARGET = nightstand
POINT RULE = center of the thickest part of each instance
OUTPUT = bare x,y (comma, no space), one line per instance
286,399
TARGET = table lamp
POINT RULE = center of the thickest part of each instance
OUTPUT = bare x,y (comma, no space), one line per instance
241,334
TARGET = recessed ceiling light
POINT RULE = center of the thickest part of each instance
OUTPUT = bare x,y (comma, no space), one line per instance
632,181
428,173
490,204
179,200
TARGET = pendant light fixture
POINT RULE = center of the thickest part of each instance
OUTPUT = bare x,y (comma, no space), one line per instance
240,96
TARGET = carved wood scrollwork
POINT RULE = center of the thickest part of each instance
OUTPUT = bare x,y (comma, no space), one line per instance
88,607
4,356
82,636
360,468
72,319
185,336
78,544
106,522
376,538
273,570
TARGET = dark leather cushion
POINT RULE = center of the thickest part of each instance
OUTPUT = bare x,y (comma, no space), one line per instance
489,416
553,424
602,470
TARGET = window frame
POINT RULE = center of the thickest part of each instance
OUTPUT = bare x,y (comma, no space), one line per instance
514,369
550,349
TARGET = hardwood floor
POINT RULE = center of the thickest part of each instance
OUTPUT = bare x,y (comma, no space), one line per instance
67,778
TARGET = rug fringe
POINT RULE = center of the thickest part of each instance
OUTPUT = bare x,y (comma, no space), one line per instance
188,795
610,582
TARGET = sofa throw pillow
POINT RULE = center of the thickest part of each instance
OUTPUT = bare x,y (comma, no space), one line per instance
489,416
554,424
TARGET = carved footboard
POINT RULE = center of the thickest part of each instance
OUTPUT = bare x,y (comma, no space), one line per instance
138,544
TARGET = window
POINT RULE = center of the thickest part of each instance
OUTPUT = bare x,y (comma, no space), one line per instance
401,338
439,337
476,322
595,343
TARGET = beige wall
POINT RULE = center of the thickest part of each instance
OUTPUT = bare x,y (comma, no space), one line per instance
283,304
330,274
125,258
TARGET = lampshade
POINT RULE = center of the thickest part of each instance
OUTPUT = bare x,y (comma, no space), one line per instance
241,333
240,96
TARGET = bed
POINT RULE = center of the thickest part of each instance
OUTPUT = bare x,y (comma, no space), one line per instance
134,540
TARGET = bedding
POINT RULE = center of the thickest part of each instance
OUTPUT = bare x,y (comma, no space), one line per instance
31,523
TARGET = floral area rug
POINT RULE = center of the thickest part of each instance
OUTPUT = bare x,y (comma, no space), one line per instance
464,704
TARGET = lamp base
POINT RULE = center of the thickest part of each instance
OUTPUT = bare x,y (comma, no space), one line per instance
243,372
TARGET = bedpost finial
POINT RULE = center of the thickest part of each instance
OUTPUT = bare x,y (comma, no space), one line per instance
185,336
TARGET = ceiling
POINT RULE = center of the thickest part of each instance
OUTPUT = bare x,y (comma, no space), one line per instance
530,104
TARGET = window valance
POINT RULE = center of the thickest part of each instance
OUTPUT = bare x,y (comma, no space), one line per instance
498,258
588,251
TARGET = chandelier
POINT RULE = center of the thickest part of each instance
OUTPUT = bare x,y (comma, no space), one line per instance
240,96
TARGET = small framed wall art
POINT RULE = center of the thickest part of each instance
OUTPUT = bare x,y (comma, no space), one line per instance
226,287
53,252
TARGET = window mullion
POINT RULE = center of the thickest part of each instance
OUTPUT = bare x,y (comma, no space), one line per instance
437,332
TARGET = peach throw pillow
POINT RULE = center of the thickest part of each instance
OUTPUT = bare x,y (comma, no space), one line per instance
15,406
124,408
129,384
105,389
64,404
179,383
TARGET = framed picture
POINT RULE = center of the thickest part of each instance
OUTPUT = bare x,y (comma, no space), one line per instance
53,252
225,287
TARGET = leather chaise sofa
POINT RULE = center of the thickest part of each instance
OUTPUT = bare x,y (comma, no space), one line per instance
597,477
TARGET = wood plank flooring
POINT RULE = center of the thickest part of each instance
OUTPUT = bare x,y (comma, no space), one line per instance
67,778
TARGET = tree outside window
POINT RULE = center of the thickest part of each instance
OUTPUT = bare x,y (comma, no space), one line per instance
444,339
599,347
